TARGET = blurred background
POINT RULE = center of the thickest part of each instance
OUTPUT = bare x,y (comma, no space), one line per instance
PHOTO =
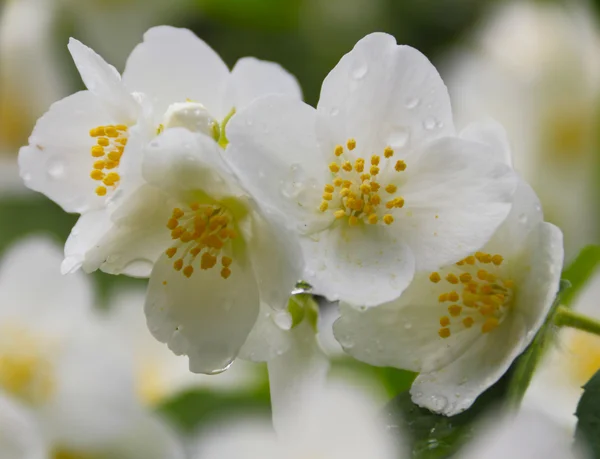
532,65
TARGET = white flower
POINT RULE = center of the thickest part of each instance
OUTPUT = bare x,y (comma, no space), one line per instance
215,257
557,384
334,423
535,67
374,179
158,373
461,326
58,359
524,435
89,145
20,436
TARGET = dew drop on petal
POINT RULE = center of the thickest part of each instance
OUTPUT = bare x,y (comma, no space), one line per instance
221,370
140,267
412,102
334,111
399,137
359,69
408,326
55,168
249,122
522,218
438,402
27,177
283,320
429,123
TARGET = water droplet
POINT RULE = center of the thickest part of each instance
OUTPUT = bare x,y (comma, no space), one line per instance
412,102
334,111
438,402
408,325
283,320
296,172
522,218
138,268
249,122
27,177
55,168
346,341
359,69
399,136
429,123
221,370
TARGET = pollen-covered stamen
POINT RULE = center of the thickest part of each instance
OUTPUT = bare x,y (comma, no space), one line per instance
202,232
354,191
110,146
478,294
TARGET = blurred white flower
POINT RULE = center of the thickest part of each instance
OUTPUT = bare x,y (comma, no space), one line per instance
374,180
535,67
58,359
524,435
20,436
159,374
30,79
557,384
334,423
462,326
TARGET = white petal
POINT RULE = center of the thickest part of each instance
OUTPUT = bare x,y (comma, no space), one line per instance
383,94
181,162
296,375
125,239
525,216
492,134
404,332
455,196
252,78
274,152
276,260
57,161
104,81
526,435
20,437
364,265
173,65
33,291
205,317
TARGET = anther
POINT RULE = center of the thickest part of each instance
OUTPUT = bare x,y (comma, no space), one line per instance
454,310
444,332
188,271
324,206
391,188
171,251
178,264
333,167
339,150
388,219
374,170
452,278
347,166
388,152
400,165
351,144
435,277
445,321
373,219
468,322
375,160
101,191
225,273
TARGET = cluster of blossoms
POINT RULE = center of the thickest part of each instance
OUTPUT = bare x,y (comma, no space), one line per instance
225,189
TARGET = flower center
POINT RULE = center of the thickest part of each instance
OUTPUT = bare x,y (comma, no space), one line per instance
203,231
25,373
110,145
354,192
481,295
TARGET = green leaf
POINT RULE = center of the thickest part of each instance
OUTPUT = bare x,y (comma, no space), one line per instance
434,436
588,414
579,272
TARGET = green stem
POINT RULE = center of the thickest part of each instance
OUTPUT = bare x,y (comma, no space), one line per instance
565,317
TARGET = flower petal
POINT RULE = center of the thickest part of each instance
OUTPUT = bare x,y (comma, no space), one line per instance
252,78
295,376
383,94
456,196
20,436
274,152
492,134
173,65
364,265
127,238
104,81
205,317
57,303
57,161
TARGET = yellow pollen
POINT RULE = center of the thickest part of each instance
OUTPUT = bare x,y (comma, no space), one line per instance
99,165
508,283
374,170
388,219
435,277
172,223
452,278
454,310
359,166
468,322
329,188
333,167
482,274
171,251
111,164
391,188
344,192
491,277
178,264
347,166
207,261
111,132
96,174
470,260
339,213
373,219
327,196
107,136
465,278
226,261
351,144
375,186
337,182
445,321
375,160
443,297
400,165
121,127
339,150
188,271
324,205
97,151
101,191
353,220
225,273
365,188
177,213
103,141
453,296
388,152
497,259
115,155
444,332
375,199
490,324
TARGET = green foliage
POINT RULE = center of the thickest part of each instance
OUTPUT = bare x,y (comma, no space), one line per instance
579,272
588,414
433,436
